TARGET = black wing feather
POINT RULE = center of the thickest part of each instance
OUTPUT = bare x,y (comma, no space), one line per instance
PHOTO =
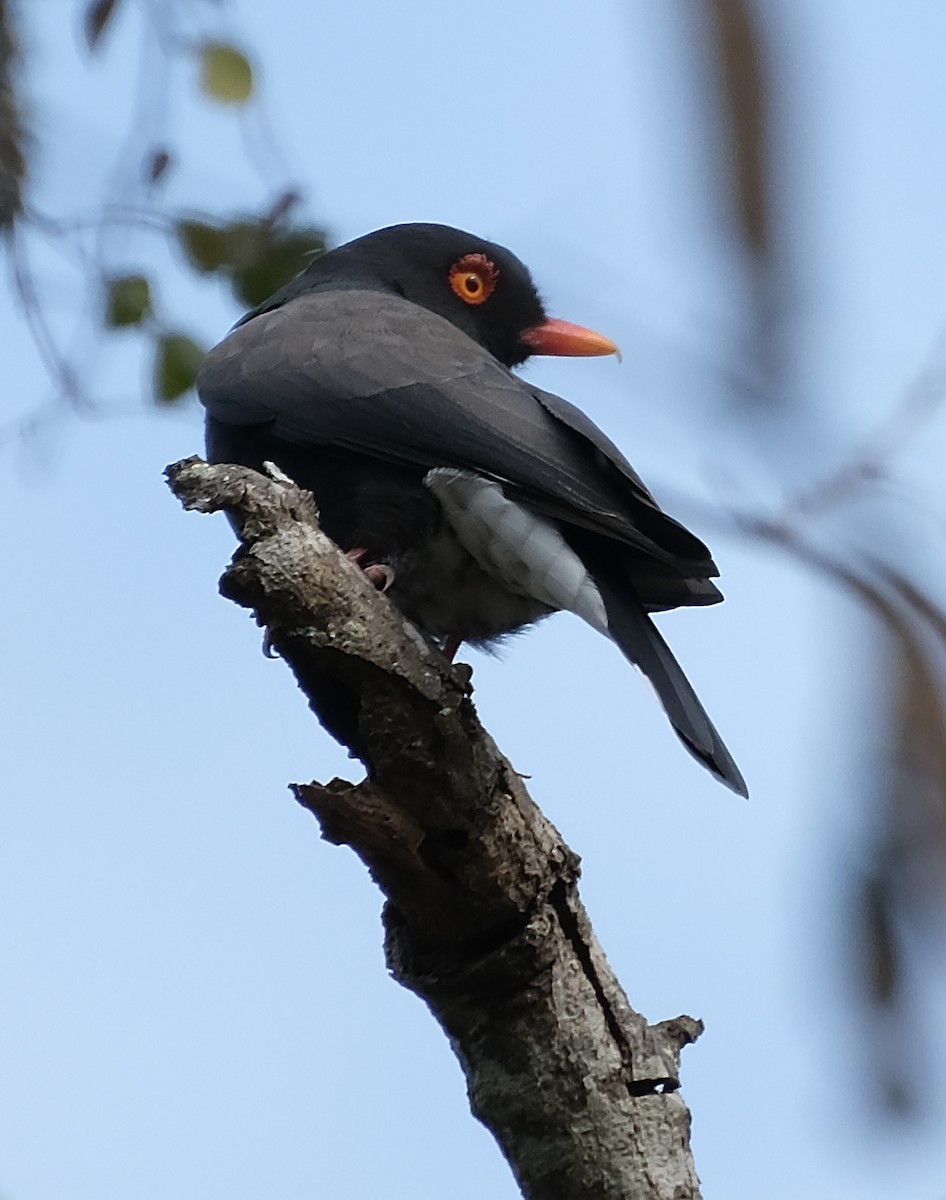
373,374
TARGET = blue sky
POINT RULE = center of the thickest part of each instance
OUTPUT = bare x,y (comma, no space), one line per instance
194,999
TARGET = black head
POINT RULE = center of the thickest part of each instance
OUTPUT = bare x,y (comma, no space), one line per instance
480,287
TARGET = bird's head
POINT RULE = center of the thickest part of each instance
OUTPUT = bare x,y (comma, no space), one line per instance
480,287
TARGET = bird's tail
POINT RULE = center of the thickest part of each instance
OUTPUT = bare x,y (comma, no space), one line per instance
640,642
533,557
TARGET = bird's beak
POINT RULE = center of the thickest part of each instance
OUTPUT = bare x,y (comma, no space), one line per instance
562,337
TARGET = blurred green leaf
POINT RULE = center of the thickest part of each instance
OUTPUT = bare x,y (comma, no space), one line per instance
225,73
177,360
97,16
127,301
280,256
259,256
246,242
206,247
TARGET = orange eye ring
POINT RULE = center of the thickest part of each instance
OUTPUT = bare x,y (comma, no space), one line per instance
473,278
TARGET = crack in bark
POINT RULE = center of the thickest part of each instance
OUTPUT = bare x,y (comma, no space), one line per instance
558,898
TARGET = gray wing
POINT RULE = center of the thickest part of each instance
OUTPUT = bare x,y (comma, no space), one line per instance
375,374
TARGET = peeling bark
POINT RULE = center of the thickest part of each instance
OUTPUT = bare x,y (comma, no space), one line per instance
483,918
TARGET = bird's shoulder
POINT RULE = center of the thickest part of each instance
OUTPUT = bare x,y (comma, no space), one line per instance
334,344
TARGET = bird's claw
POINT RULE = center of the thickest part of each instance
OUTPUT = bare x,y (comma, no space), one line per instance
379,574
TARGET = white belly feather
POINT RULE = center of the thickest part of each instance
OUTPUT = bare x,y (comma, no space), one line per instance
521,550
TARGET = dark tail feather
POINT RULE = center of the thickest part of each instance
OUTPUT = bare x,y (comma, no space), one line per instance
640,642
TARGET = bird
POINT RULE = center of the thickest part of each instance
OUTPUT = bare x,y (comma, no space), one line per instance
381,379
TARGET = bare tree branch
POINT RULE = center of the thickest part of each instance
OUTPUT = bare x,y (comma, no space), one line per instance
483,918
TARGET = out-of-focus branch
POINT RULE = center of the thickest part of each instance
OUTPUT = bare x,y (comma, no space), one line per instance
743,80
12,162
873,458
483,918
902,869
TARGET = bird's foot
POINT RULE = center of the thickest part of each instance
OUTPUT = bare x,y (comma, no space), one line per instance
379,574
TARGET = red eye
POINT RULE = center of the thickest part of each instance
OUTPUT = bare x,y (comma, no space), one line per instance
473,278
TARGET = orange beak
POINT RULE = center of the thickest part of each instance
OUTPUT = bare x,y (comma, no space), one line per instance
564,338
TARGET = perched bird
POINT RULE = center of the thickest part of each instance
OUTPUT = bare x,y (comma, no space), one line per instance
380,379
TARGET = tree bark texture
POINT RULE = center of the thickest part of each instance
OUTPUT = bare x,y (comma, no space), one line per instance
483,918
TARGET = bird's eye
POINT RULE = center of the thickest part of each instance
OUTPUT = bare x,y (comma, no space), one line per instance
473,278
